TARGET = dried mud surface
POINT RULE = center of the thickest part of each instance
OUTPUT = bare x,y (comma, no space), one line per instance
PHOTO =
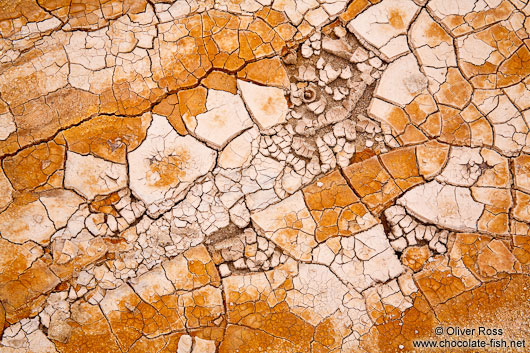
273,176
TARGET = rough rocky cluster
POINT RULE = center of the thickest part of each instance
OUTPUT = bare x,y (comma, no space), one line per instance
262,175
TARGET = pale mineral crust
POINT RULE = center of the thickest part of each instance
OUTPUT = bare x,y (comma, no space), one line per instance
281,176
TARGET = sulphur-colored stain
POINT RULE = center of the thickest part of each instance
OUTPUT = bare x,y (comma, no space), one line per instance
515,68
221,81
244,339
217,120
108,137
401,163
169,170
91,13
335,207
375,186
105,204
497,205
270,105
521,210
269,72
380,312
22,295
397,334
328,335
395,18
14,260
169,107
398,119
456,91
90,331
354,8
454,129
202,306
412,136
482,18
127,325
192,102
257,314
27,10
431,157
93,182
33,166
436,33
420,108
415,257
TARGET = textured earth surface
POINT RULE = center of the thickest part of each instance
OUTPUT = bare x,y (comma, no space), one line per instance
201,176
